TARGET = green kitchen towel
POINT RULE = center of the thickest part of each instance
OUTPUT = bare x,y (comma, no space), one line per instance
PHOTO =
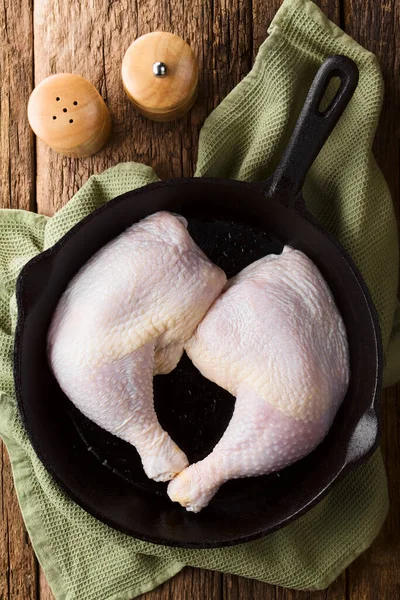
243,139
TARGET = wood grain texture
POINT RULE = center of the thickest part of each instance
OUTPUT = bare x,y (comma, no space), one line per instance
376,25
376,573
16,76
18,570
247,589
238,587
18,567
189,584
225,36
45,592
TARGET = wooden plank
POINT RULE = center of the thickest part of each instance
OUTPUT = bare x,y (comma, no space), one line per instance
17,169
264,12
376,574
17,561
238,587
93,45
45,592
18,572
376,25
189,584
332,10
247,589
235,587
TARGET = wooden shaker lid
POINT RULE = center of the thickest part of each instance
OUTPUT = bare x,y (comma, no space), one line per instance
160,76
69,115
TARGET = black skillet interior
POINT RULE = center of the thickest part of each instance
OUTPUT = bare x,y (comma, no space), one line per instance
235,223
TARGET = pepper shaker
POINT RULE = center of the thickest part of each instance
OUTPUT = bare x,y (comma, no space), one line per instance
160,76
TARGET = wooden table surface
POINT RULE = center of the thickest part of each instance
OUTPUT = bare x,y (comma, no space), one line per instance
89,37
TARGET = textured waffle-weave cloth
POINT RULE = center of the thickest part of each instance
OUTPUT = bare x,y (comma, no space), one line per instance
243,138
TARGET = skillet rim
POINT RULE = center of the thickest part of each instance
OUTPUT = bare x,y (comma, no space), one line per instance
299,207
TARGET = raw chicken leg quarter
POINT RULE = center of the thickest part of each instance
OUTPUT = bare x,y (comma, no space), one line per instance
275,340
124,318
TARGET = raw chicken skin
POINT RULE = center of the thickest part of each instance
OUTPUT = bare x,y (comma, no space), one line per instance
275,340
124,318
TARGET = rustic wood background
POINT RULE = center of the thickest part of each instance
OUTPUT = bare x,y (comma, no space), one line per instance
89,37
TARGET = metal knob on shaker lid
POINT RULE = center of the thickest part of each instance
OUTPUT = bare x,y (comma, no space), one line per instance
159,69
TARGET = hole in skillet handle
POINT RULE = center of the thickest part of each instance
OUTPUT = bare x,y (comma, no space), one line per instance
313,128
329,95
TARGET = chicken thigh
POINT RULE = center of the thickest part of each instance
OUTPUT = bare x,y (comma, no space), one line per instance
124,318
275,340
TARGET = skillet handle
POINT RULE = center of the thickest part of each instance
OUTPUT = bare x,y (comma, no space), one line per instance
313,127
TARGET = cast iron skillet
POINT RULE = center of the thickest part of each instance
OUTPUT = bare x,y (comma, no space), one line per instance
235,223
